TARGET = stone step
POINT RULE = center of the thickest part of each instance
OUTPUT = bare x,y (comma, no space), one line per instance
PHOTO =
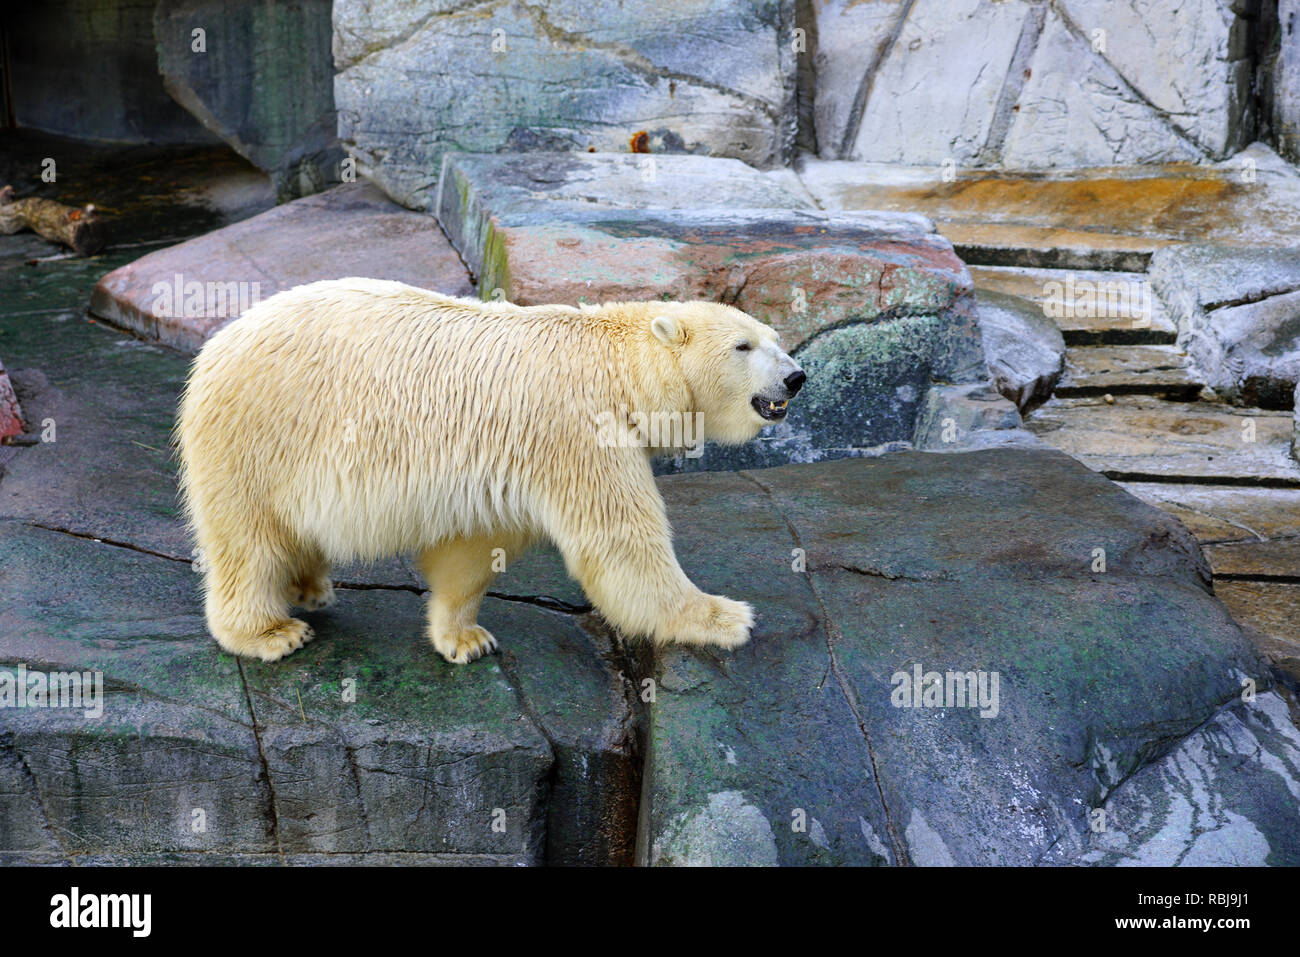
1086,218
1277,559
1141,438
1270,609
1226,513
1091,307
1047,247
1268,612
1159,370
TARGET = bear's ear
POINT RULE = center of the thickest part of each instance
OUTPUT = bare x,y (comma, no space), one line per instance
667,330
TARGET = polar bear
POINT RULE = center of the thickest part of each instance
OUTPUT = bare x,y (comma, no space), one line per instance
360,418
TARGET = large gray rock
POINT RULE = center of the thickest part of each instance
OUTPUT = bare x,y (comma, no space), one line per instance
960,418
1238,317
697,76
1213,276
1024,348
1071,83
571,742
263,83
786,751
1204,804
798,748
1253,350
370,744
875,306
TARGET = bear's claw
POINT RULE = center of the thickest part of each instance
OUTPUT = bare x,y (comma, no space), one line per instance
463,646
282,639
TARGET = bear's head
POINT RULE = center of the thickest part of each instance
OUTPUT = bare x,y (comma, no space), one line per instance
733,365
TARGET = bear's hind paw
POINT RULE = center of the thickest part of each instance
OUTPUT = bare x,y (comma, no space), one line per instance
312,594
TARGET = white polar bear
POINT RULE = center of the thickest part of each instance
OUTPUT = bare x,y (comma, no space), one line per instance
358,418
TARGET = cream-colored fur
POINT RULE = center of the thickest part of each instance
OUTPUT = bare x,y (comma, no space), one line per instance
359,418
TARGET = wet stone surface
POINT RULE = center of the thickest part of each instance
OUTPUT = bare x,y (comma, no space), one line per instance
1119,684
365,746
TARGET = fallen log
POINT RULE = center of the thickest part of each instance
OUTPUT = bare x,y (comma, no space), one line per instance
79,229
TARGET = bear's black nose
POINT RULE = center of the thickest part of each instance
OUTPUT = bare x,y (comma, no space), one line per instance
795,380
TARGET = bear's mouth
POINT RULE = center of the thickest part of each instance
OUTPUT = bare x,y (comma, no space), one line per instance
771,409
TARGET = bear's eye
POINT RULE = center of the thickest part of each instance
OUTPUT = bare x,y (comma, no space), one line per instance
744,347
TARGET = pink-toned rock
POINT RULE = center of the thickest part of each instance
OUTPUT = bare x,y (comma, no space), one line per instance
876,307
183,294
11,416
552,227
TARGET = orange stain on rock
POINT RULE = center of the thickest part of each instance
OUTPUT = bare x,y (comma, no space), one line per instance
1185,199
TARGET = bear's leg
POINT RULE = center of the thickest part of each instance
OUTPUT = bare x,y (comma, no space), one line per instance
309,586
459,572
245,584
623,558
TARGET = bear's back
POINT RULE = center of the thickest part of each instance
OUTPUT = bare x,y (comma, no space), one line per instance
368,409
399,331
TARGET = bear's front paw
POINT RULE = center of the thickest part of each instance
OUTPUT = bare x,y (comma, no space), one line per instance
461,646
312,594
281,639
715,620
